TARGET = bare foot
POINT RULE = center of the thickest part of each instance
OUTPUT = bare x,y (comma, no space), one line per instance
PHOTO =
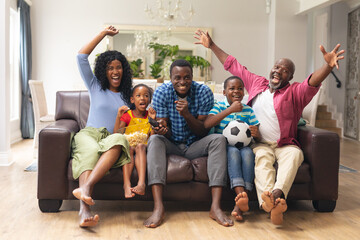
80,194
269,202
276,214
156,218
139,189
219,216
127,192
237,213
242,201
87,220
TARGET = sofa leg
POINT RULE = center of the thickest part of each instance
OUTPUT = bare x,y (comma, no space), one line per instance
324,205
50,205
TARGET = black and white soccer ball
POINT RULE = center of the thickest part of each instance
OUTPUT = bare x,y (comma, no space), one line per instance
237,133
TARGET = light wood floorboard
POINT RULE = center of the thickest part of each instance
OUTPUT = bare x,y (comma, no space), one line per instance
22,219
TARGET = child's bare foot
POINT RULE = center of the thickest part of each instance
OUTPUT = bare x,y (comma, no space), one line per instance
139,189
269,202
81,194
242,201
156,218
87,220
127,192
276,214
237,213
219,216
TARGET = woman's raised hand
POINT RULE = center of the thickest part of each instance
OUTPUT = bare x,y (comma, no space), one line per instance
111,30
204,38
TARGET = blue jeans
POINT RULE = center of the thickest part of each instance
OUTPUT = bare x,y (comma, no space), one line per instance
241,164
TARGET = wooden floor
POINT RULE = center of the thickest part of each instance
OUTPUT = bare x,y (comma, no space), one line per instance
22,219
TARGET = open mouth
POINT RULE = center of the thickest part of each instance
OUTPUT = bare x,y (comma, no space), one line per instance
237,97
275,80
142,104
115,79
182,88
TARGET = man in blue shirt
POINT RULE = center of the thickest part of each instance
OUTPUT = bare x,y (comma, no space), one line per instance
182,107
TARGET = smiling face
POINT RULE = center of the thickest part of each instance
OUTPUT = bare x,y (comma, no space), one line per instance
114,73
141,98
234,90
281,73
181,78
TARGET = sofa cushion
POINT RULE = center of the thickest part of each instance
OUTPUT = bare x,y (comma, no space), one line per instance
73,105
200,169
303,174
179,169
115,175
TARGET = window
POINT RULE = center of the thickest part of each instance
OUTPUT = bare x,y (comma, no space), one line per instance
14,53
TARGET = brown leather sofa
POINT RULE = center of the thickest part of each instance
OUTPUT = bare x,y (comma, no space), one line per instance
316,180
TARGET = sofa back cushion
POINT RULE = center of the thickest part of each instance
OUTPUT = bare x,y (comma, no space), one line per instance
73,105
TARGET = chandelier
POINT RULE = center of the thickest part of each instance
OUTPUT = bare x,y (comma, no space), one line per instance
170,15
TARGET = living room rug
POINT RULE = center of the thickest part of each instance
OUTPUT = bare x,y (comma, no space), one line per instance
33,167
344,169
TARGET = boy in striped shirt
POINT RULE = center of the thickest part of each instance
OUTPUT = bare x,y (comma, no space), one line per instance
240,161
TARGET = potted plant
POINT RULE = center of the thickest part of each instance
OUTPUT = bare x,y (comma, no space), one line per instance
136,70
156,69
197,62
165,53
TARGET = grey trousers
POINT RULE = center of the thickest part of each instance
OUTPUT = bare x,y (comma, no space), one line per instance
213,146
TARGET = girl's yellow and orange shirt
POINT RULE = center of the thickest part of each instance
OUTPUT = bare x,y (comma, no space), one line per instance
134,124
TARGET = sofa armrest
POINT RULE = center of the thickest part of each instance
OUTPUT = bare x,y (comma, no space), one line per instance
322,151
54,155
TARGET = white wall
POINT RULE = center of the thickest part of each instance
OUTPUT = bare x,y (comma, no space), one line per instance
5,157
61,28
289,37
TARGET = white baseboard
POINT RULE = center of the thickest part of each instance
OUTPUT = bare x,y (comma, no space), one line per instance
16,137
5,159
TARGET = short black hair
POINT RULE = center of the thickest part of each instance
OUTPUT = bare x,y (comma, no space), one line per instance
181,63
150,90
231,78
101,64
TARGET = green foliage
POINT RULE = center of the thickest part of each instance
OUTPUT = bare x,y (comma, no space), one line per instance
156,68
136,70
166,51
196,61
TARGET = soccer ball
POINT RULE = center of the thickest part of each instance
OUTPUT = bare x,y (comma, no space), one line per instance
237,133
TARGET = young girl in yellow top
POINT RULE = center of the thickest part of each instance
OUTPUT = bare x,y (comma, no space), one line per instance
136,122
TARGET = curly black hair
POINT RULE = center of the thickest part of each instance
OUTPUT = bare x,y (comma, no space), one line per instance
100,72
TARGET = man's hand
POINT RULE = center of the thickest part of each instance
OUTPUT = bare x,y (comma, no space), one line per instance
162,129
236,107
255,133
204,38
182,107
332,57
